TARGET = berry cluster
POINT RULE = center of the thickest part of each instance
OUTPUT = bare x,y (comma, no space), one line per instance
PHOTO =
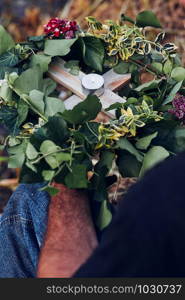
57,28
178,109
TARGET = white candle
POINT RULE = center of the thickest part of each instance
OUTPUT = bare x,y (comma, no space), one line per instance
92,81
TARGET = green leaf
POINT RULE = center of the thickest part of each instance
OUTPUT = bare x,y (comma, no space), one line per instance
101,170
116,105
31,166
58,47
31,152
9,59
105,163
37,100
4,70
52,155
147,18
48,174
94,53
9,117
157,66
77,178
22,110
128,165
84,111
29,80
5,92
167,68
105,216
90,132
73,66
48,147
6,41
52,191
154,156
42,60
53,106
157,56
55,130
148,85
17,155
124,144
144,143
122,68
173,92
178,74
48,86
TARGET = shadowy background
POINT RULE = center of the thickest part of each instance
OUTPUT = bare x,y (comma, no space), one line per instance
23,18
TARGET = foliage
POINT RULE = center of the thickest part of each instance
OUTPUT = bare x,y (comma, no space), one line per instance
51,143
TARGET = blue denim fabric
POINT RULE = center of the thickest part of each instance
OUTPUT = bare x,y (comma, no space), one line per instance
22,229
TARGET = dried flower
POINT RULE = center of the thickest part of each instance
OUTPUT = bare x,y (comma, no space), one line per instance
178,109
57,28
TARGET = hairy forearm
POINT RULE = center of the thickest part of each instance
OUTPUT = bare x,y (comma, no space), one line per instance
70,237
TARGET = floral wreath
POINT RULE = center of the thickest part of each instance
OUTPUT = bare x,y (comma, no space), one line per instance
50,143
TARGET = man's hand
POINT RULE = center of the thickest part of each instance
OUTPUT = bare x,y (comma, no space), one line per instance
70,237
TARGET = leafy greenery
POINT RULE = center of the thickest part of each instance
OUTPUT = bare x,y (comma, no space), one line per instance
58,47
50,143
147,18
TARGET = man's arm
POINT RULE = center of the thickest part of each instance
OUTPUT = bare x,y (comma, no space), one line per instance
70,237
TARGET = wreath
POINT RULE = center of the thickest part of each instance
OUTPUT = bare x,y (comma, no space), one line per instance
50,143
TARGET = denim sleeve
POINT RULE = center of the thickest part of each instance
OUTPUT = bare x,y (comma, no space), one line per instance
22,229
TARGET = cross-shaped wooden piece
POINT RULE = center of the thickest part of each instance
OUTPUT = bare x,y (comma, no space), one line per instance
112,82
